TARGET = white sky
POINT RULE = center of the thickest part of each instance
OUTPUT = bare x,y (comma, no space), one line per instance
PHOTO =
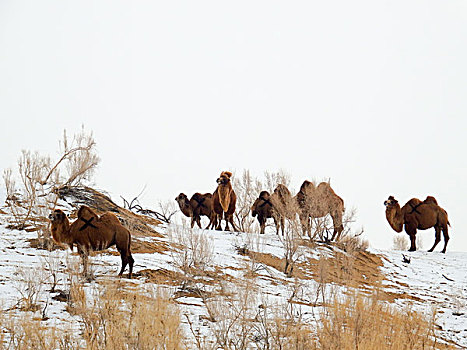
371,94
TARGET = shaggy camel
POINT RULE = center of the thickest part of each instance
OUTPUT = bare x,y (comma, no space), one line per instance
416,214
91,232
283,206
224,200
262,209
199,205
315,202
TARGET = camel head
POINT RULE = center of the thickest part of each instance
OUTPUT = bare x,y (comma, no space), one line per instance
224,178
393,214
60,226
182,200
391,202
264,195
57,216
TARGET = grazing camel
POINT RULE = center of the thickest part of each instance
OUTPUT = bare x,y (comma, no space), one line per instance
416,214
199,205
224,200
91,232
262,209
283,206
315,202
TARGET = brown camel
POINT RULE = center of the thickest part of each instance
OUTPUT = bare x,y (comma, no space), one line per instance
199,205
416,214
224,200
315,202
262,209
283,206
91,232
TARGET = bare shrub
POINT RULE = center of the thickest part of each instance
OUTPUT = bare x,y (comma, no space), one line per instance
193,252
400,242
29,286
41,178
291,240
232,316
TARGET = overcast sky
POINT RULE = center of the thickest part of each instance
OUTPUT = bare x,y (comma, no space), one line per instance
371,94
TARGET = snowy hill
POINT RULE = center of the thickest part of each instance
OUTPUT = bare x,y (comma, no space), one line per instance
431,281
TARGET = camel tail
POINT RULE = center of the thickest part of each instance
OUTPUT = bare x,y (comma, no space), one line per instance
449,224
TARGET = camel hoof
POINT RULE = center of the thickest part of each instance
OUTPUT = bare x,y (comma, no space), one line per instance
412,249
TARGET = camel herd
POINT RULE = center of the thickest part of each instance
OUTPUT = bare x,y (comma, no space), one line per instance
91,232
310,202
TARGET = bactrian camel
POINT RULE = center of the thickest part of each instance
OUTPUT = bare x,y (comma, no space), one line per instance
417,215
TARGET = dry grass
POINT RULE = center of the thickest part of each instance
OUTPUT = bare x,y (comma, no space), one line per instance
363,323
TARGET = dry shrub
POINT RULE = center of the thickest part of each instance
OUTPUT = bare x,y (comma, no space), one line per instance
193,251
29,286
41,177
400,242
356,322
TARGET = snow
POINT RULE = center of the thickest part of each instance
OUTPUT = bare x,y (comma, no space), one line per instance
430,279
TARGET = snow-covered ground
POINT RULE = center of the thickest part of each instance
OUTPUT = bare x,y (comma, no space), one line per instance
430,280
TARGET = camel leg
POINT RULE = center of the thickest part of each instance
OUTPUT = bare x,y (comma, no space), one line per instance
262,225
338,228
131,262
437,238
198,221
282,224
411,230
219,222
234,228
446,238
211,222
192,221
276,223
124,263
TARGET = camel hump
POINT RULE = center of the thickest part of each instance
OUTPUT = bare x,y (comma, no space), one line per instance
325,189
430,200
282,190
307,186
109,218
86,213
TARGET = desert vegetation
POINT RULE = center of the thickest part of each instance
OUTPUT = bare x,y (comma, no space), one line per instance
295,274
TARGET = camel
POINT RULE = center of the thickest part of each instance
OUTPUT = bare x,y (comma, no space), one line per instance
224,200
416,214
262,209
283,206
199,205
91,232
316,202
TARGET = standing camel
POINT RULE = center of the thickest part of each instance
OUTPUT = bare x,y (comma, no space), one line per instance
416,214
316,202
224,200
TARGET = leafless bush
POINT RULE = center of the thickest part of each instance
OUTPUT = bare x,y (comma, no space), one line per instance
400,242
232,316
291,240
29,286
41,177
193,252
